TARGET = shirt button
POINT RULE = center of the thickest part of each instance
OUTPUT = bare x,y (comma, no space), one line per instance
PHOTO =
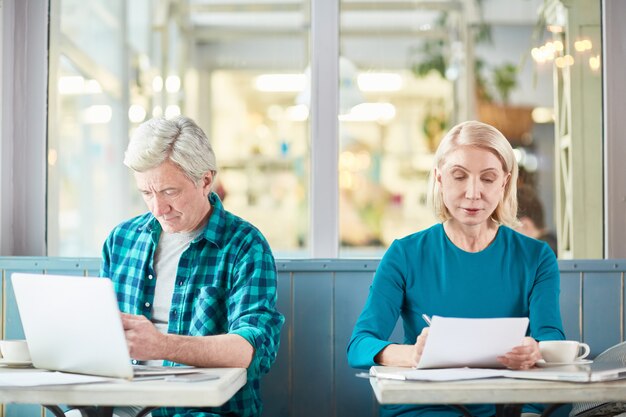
134,361
174,313
150,277
147,304
180,283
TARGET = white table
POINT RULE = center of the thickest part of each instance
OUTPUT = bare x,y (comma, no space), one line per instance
149,394
502,391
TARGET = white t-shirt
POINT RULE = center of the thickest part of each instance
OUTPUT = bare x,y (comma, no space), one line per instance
171,246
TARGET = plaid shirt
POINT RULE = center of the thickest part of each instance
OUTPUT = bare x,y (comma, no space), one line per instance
225,283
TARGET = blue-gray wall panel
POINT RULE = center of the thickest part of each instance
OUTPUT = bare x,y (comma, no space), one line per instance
22,410
276,385
351,290
12,322
602,298
312,344
321,299
570,304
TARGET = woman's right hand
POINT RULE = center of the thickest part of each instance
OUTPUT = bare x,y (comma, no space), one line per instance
420,342
403,355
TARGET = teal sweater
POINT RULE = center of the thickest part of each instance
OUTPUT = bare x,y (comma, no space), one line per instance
515,276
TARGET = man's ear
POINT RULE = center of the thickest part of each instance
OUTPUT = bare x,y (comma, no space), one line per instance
207,181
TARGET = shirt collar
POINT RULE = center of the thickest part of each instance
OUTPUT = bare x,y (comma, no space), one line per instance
213,230
216,226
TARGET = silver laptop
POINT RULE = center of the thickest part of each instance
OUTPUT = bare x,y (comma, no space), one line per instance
593,372
73,324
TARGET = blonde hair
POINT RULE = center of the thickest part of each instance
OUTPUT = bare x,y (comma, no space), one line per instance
180,139
483,136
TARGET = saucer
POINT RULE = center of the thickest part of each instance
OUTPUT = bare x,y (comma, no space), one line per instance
543,364
15,364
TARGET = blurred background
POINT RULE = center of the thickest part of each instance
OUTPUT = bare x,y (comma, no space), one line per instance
408,71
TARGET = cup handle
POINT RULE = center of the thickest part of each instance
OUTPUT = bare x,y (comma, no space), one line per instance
585,349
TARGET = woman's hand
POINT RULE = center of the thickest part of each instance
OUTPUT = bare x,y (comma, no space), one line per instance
403,355
419,345
522,357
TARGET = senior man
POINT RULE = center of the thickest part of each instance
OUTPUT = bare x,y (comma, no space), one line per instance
197,283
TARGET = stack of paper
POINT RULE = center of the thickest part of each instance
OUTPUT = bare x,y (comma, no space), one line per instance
39,378
460,342
446,374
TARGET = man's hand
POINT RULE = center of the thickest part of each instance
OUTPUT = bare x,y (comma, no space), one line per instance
522,357
144,341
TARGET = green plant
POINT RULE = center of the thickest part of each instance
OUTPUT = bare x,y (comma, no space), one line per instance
505,81
432,52
482,87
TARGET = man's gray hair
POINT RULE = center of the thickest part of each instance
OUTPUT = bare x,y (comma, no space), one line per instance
179,139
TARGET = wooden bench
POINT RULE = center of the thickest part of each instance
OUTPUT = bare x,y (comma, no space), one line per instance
321,300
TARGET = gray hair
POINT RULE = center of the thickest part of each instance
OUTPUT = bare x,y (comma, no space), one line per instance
484,136
179,139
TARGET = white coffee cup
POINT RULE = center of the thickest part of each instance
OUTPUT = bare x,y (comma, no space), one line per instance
14,350
563,351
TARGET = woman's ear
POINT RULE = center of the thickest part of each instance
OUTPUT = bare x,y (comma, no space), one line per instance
437,175
506,180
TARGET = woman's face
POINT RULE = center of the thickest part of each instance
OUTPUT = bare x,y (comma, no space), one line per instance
472,182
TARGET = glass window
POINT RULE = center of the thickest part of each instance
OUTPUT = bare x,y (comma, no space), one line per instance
408,71
237,69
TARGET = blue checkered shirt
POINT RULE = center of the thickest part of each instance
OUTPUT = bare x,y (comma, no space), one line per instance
225,283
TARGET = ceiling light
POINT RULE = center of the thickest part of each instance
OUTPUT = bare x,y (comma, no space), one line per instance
172,83
379,82
97,114
280,83
370,112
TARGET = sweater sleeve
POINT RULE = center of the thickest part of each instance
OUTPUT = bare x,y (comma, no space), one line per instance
381,311
545,315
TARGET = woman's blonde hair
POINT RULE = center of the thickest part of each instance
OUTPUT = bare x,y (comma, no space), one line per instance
484,136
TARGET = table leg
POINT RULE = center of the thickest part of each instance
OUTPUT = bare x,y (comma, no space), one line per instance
508,410
145,411
462,409
92,411
550,409
56,410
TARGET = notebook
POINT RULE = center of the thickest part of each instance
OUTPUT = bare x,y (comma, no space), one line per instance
73,324
592,372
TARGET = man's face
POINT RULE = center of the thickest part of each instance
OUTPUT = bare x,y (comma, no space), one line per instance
179,204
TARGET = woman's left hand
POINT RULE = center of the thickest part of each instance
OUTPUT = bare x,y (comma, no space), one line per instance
522,357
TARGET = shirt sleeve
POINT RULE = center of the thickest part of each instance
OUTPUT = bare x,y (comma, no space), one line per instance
545,315
105,265
252,305
381,311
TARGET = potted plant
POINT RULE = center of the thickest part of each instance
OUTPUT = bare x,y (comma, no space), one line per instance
515,122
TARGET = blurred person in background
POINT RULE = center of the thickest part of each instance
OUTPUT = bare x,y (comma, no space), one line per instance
531,216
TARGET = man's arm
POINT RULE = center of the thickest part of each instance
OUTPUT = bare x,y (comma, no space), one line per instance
145,342
254,324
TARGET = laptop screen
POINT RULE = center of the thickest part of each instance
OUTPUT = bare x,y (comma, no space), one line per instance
72,324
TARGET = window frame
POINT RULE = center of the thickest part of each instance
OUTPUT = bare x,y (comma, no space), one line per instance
23,150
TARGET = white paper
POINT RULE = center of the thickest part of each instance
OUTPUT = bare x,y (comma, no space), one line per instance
460,342
38,378
446,374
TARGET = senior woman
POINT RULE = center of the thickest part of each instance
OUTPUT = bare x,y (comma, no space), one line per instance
472,264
